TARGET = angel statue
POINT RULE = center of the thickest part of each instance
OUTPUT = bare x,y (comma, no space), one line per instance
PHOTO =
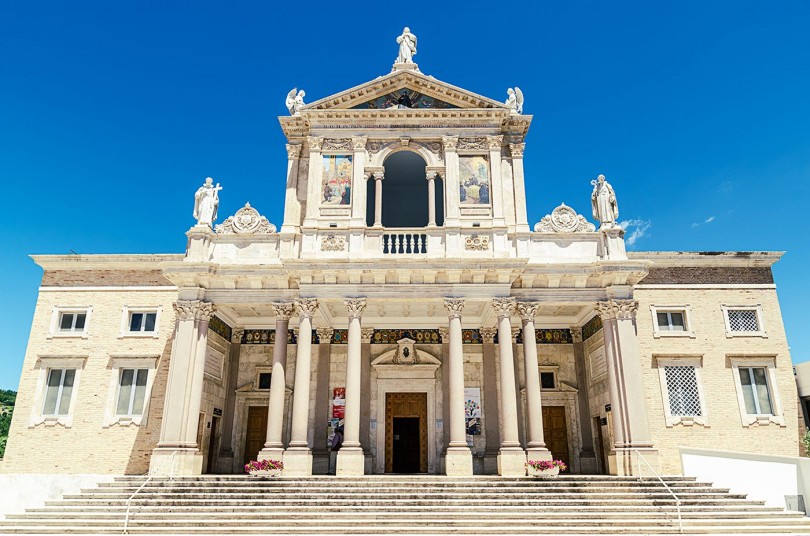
295,101
515,100
206,202
603,202
407,46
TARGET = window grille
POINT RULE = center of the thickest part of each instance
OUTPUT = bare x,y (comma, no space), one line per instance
684,398
743,320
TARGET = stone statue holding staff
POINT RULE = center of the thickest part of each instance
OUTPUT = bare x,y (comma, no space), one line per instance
206,202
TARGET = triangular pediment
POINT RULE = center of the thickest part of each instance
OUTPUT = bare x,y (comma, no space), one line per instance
422,91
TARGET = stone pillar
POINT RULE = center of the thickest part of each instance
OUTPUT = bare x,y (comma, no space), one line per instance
451,184
177,451
298,456
511,457
521,216
444,333
431,180
378,199
225,463
320,449
495,145
292,208
490,402
625,381
314,192
273,446
350,458
587,456
458,461
535,442
359,190
365,381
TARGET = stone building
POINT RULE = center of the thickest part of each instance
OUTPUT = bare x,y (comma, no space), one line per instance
406,299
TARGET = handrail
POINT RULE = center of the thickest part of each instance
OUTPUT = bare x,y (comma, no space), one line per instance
145,482
677,500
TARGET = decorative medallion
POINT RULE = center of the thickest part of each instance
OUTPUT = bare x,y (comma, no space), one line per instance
330,144
247,220
564,219
375,147
476,243
333,243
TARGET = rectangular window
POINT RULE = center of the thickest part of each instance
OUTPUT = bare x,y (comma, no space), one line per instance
72,322
743,320
142,322
682,390
132,391
755,391
547,380
671,321
59,391
264,380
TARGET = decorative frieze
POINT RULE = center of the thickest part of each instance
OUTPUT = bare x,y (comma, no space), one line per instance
339,144
476,243
564,219
193,310
246,221
333,243
591,327
421,336
472,144
268,336
220,328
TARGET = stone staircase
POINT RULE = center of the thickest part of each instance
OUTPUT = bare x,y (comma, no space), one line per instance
396,504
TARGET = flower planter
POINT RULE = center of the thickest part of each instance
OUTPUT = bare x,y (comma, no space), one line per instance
264,468
545,467
544,472
265,472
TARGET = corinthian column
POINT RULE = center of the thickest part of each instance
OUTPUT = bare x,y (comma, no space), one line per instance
451,182
625,382
292,207
521,215
298,456
226,464
350,458
314,179
458,461
177,451
535,442
378,176
431,178
273,446
511,458
358,182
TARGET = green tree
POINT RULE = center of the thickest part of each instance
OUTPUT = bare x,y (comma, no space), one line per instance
7,399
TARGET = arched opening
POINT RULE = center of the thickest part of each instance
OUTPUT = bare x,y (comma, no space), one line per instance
404,193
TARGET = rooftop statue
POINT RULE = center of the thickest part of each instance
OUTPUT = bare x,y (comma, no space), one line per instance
206,202
295,101
603,202
515,99
407,46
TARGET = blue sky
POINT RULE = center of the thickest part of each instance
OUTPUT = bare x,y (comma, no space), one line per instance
113,113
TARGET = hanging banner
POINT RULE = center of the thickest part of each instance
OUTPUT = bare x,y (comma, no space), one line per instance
472,412
338,402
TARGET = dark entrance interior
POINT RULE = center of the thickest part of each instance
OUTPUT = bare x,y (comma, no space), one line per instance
405,193
406,445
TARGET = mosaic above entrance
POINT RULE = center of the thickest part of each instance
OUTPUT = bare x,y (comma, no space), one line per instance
403,98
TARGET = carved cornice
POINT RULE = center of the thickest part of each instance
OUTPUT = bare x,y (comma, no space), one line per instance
325,335
517,149
454,307
236,335
355,307
283,310
366,334
503,306
527,310
307,307
495,143
193,310
488,335
359,143
617,309
293,151
315,143
450,143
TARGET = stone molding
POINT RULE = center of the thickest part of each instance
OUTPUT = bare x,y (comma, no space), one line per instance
248,221
617,309
503,306
527,310
283,310
194,310
355,307
307,307
488,335
454,307
564,219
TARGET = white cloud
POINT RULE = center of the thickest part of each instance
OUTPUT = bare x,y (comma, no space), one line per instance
709,219
636,229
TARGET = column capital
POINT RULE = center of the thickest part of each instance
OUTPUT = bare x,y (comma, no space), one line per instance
315,143
306,307
293,151
576,334
450,143
430,174
193,310
366,335
283,310
617,309
515,332
503,306
517,149
236,335
494,143
355,307
488,334
325,335
444,334
454,306
359,143
527,310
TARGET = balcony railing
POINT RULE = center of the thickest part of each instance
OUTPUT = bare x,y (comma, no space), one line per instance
405,242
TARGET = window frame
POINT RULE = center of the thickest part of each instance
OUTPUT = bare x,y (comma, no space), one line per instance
117,364
44,366
769,364
696,362
554,370
760,321
685,310
126,319
56,321
259,371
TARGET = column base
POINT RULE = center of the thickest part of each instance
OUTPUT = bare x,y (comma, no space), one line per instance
224,464
272,453
587,463
512,462
175,462
538,454
458,462
297,463
351,462
626,462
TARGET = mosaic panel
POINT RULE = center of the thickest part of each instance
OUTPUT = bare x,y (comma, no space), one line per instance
474,186
406,98
546,336
421,336
220,328
591,327
268,336
337,180
471,336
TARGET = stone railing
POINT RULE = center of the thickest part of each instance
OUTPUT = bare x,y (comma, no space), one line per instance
405,242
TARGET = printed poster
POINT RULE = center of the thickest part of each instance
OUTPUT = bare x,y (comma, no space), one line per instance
339,403
472,412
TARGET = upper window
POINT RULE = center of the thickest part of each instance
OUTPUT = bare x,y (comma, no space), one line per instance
682,389
130,385
757,393
59,391
744,320
132,391
72,322
56,391
547,380
140,322
69,321
669,321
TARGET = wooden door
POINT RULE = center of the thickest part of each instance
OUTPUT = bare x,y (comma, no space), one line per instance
600,444
213,446
256,431
400,405
555,432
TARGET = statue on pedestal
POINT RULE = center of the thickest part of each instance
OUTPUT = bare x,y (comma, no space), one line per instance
295,101
206,202
515,100
603,202
407,46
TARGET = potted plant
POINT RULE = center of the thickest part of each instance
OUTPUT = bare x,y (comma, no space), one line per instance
545,467
264,467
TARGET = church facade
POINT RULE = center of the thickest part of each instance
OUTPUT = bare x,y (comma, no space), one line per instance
442,334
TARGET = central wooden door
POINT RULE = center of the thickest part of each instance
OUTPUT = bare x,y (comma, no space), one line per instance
406,432
555,432
256,431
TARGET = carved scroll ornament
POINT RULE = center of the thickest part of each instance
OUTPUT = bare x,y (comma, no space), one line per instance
564,219
247,220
